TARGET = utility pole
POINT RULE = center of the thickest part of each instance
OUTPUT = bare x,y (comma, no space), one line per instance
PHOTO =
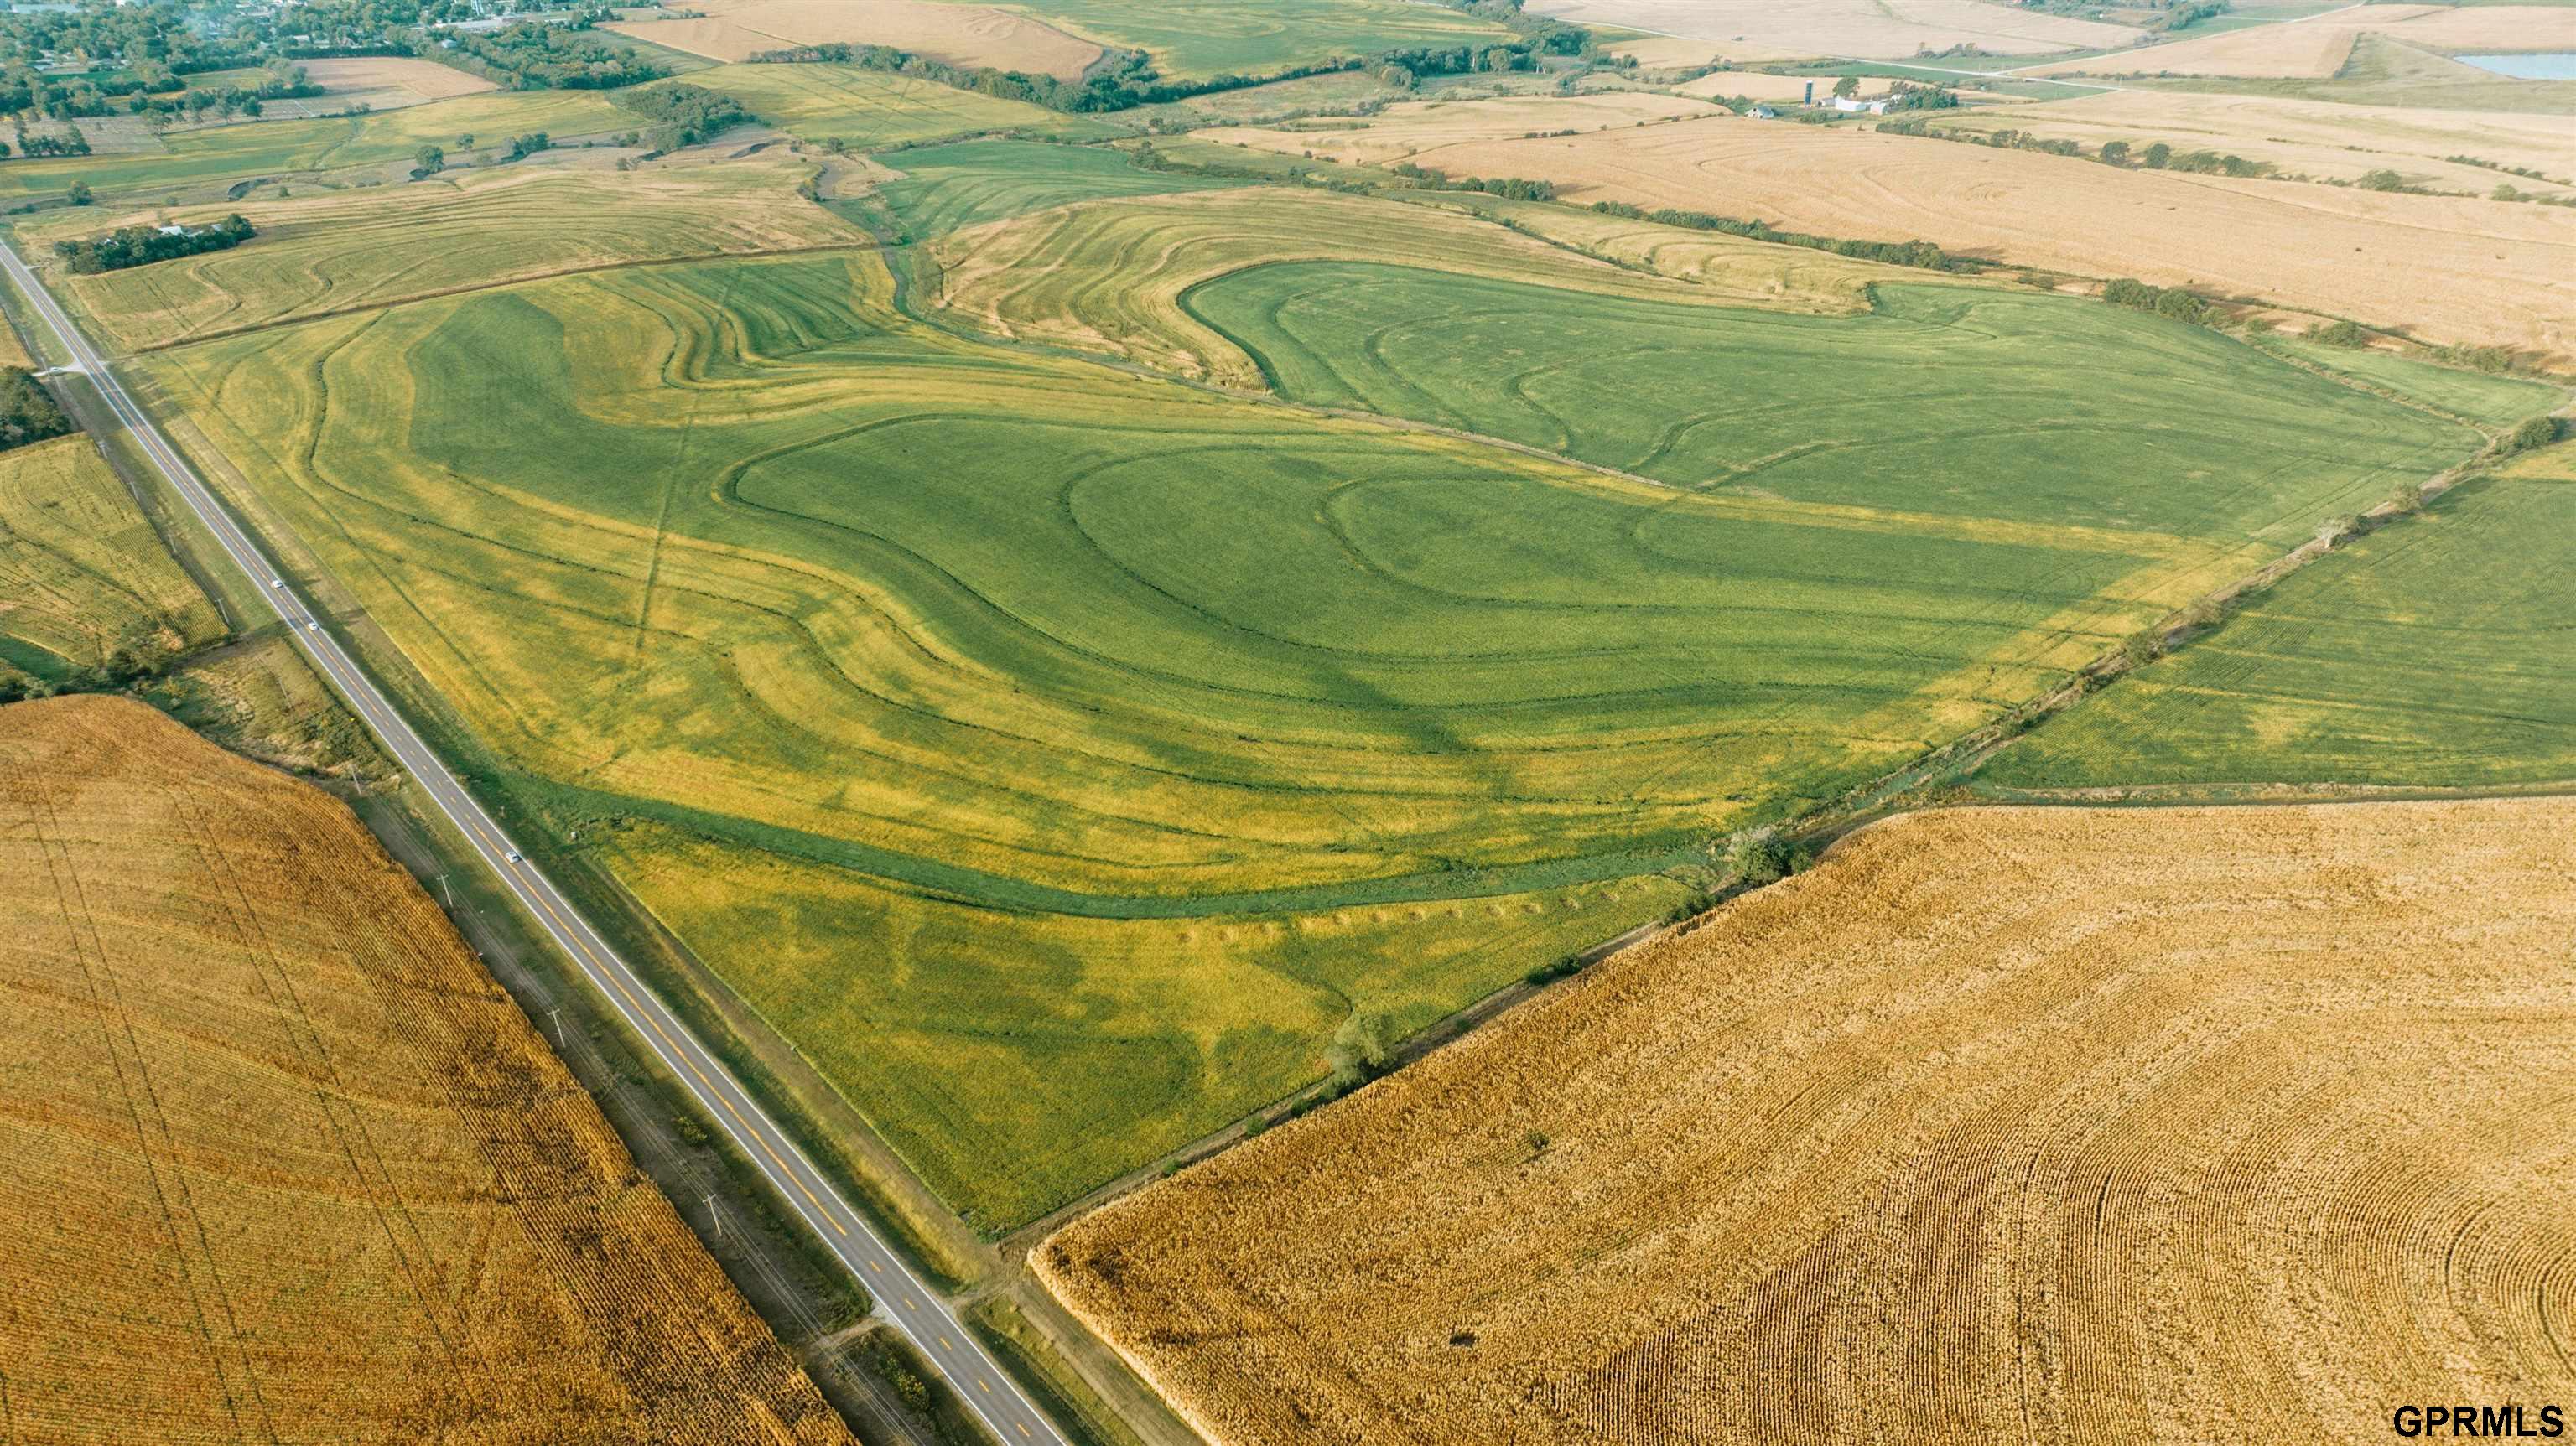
556,1014
715,1217
446,892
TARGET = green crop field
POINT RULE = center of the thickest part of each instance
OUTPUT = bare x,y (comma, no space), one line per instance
1020,668
1195,39
1944,400
2490,401
948,188
1109,275
198,161
871,109
329,251
82,575
2432,652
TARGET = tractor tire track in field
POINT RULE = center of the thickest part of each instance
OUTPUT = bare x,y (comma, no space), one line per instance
167,1177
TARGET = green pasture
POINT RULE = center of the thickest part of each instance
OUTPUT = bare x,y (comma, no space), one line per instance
1196,39
948,188
871,109
1074,729
2434,651
2034,409
198,159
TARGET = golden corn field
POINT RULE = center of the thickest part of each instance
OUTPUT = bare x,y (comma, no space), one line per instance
2001,1124
287,1165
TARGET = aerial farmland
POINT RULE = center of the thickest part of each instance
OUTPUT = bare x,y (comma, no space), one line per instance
1327,720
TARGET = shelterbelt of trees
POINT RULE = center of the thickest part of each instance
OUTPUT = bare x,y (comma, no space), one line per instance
142,245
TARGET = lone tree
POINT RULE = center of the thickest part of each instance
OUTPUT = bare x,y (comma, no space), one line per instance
1757,856
2115,153
1362,1049
2156,155
1847,87
432,160
79,194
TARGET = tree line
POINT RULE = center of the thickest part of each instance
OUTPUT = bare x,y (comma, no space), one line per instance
28,413
683,114
1922,254
1510,188
130,246
1125,79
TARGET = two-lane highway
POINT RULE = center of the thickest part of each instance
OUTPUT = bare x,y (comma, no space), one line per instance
901,1296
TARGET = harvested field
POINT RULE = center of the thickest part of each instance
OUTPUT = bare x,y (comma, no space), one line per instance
2437,264
197,164
83,578
1942,1142
2319,47
1673,52
1268,714
970,36
1881,29
939,189
334,251
2314,138
387,82
1109,275
871,109
2432,652
1404,130
285,1163
2384,72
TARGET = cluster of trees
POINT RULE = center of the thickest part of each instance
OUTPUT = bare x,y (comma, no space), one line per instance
536,55
157,31
1905,95
1510,188
28,413
1118,81
142,245
683,114
1922,254
280,79
2188,13
2170,301
70,143
375,27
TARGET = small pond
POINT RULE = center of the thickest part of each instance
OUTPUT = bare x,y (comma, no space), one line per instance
2530,65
